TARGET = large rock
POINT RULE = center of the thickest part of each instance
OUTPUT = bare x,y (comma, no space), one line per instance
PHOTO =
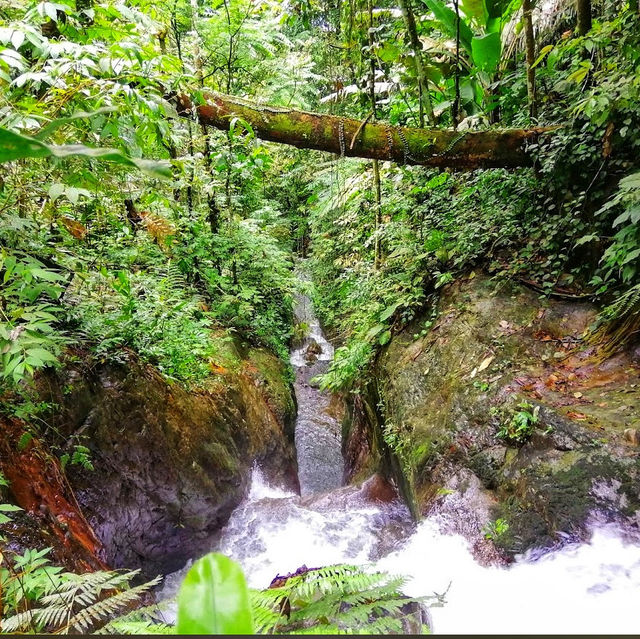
170,463
492,347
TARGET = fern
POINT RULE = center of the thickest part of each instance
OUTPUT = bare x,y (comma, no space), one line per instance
75,603
336,599
618,323
142,621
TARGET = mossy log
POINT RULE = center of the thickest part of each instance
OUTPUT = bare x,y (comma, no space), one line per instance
443,148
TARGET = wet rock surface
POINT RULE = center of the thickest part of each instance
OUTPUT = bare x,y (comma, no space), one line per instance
170,464
493,347
51,516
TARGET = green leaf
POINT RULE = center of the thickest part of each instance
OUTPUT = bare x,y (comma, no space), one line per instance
623,217
486,51
385,337
376,330
581,73
56,190
79,115
475,10
500,11
17,39
213,599
14,146
389,52
50,11
586,238
631,181
24,440
42,355
389,311
631,256
447,19
9,508
543,54
13,59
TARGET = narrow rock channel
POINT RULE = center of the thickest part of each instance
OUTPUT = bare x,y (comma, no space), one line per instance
582,588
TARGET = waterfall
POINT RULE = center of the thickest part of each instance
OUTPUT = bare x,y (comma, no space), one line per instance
582,588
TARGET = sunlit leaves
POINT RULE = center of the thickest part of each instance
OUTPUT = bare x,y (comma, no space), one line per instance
27,339
486,51
449,20
542,55
214,599
50,10
14,146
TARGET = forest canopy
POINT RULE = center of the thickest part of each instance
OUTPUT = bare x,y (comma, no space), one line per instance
135,215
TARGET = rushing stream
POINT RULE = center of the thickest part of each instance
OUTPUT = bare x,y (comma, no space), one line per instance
582,588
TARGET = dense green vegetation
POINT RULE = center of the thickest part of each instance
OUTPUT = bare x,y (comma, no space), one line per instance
99,252
129,225
566,226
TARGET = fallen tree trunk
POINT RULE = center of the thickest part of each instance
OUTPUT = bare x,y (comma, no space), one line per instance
378,141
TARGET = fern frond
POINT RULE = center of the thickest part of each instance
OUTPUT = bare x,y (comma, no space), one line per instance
136,628
338,599
145,620
617,324
100,610
21,621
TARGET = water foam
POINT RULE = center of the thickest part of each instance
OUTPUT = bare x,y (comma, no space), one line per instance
582,588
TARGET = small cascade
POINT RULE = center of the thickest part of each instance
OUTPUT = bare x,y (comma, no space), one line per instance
318,433
274,531
581,588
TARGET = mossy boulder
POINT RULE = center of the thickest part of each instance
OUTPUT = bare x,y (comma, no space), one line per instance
499,357
170,463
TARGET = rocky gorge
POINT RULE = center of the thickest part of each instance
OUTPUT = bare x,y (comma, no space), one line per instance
168,465
496,353
496,426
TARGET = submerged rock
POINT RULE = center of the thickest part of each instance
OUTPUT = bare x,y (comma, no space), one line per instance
508,421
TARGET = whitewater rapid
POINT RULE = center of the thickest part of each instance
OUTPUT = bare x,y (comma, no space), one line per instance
580,589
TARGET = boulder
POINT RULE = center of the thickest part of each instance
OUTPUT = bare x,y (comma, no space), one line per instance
510,417
170,463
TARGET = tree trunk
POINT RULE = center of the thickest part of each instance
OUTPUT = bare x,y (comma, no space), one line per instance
456,101
583,8
377,191
378,141
416,47
531,56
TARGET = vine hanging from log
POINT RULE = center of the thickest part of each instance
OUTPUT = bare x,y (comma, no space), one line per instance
442,148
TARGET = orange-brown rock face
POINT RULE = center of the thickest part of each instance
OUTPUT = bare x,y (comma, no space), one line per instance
38,485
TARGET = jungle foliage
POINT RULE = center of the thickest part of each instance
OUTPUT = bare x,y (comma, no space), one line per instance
125,224
566,227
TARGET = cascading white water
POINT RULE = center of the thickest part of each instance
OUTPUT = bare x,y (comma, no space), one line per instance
317,435
582,588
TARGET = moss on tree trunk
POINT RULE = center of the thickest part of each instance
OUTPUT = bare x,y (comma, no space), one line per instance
378,141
